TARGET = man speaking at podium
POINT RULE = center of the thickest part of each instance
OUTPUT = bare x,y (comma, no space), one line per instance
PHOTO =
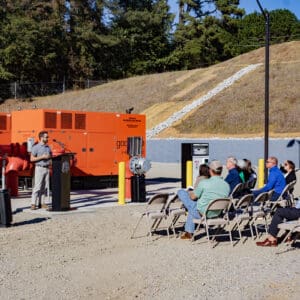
41,156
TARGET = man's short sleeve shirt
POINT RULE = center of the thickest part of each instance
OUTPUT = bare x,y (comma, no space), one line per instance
210,189
39,150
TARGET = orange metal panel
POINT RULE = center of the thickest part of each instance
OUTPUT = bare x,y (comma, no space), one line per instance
5,129
101,122
26,124
101,153
130,125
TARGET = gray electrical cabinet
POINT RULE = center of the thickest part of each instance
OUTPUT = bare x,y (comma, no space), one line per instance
200,155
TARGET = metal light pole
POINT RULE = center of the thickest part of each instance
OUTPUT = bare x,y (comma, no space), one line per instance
267,76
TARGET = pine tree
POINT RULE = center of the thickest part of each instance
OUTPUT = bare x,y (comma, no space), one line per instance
142,32
32,41
206,31
284,26
85,28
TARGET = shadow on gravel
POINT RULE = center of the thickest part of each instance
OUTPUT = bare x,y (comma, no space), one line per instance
32,221
93,193
20,209
86,202
159,180
159,190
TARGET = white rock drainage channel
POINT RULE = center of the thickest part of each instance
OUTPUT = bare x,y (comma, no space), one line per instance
219,88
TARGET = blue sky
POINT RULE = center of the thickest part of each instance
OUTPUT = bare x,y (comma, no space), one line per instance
251,5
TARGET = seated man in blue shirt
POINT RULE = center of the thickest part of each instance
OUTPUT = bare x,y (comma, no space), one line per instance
276,180
233,178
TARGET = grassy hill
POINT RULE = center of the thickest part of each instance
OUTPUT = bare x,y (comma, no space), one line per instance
237,111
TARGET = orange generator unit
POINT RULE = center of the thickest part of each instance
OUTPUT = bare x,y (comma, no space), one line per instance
98,139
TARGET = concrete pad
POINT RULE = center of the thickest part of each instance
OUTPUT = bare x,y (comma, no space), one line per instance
88,201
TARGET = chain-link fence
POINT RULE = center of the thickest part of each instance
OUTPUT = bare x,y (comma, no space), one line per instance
19,90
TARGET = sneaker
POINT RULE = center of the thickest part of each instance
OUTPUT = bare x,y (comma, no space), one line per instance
45,206
267,243
33,207
186,236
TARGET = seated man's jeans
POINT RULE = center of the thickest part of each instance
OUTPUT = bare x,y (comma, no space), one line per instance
287,213
191,206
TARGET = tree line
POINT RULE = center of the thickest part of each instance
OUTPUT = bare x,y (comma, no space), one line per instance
45,41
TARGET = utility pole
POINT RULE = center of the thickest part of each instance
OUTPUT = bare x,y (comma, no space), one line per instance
267,76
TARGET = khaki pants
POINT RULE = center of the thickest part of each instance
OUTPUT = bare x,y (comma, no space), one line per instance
41,186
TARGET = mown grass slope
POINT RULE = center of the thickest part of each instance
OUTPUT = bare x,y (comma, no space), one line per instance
237,111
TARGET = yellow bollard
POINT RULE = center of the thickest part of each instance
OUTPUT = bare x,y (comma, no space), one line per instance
189,173
121,183
261,172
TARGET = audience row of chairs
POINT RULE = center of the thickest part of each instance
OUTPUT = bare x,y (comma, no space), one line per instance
161,207
234,213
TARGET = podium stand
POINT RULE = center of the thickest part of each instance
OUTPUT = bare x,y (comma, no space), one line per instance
61,182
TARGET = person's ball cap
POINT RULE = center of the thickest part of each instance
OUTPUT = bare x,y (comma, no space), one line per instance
215,165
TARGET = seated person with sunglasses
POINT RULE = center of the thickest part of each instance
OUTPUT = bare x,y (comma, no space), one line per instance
288,169
276,180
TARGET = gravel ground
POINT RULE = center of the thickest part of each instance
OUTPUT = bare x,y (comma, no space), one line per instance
88,254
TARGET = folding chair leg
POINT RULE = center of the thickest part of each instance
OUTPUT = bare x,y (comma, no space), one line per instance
173,227
230,236
266,226
149,228
287,236
217,231
196,229
136,226
167,229
208,237
173,230
239,230
155,224
251,230
174,221
213,235
255,226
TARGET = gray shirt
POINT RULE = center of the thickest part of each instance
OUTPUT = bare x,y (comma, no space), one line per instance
38,150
